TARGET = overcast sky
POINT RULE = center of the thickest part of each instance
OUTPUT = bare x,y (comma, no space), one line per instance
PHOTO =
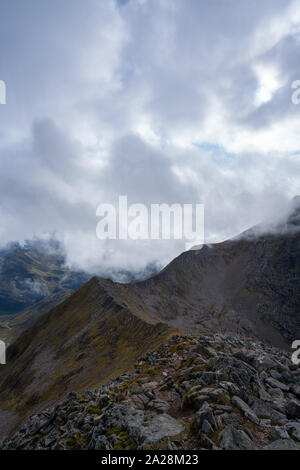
160,100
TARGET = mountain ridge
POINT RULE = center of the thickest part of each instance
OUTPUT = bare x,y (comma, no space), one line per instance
244,287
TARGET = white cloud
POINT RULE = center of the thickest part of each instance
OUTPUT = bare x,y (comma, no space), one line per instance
164,101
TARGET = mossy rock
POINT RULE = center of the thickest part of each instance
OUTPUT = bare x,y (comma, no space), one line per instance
94,409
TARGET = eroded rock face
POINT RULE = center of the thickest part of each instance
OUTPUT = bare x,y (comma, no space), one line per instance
205,392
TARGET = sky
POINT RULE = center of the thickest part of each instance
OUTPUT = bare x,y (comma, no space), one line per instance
165,101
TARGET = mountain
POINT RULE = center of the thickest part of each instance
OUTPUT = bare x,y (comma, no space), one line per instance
249,284
246,286
34,278
31,272
82,342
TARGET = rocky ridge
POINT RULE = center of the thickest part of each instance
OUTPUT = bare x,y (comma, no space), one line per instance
204,392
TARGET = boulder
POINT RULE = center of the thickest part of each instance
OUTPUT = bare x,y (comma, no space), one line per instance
245,409
235,439
293,409
159,427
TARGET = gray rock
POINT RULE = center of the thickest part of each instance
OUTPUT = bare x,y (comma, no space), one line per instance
101,443
205,414
279,404
275,392
276,384
293,409
159,427
207,428
283,444
159,405
278,432
195,400
207,443
278,418
296,390
235,439
246,410
293,429
104,400
261,408
263,362
215,394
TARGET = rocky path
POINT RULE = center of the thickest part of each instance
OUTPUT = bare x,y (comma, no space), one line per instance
206,392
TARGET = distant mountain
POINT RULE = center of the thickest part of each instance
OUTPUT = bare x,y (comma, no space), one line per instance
34,278
31,272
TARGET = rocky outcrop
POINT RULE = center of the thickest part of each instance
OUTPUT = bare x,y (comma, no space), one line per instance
204,392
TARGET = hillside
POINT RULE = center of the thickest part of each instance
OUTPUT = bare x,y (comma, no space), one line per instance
14,325
207,392
248,285
80,343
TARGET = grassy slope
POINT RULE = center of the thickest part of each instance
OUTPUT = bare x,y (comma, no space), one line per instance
79,344
13,325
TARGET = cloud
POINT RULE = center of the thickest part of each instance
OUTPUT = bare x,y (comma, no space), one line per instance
164,101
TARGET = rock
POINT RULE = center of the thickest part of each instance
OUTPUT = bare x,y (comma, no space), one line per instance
160,406
278,418
283,444
224,408
50,439
206,350
195,400
104,400
131,411
263,362
296,390
278,432
207,428
148,385
293,409
141,399
276,384
207,443
279,404
215,394
275,392
245,409
205,414
102,443
261,408
159,427
235,439
293,429
230,387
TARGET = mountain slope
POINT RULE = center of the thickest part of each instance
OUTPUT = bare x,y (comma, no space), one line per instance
249,286
14,325
246,285
82,342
